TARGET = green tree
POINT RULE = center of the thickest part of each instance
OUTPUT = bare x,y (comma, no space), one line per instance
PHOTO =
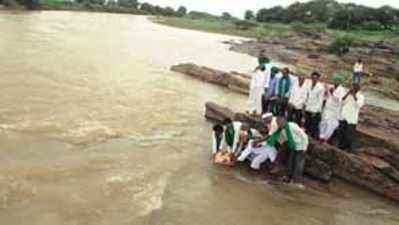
182,11
128,3
148,8
226,16
249,15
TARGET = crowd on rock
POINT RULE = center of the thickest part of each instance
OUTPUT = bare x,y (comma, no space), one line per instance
293,109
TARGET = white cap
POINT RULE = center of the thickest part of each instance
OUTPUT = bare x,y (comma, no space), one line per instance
267,115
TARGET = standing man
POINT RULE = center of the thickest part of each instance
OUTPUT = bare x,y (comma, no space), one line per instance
269,98
313,106
332,109
256,91
297,142
353,101
296,103
283,91
357,72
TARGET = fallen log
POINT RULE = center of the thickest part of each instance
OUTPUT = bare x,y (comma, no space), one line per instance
324,160
378,128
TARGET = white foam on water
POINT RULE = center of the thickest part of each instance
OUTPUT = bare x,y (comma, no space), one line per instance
89,132
150,197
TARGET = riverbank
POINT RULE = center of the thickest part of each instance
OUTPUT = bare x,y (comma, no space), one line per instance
307,49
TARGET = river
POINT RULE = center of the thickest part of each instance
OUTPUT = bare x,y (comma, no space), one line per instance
95,129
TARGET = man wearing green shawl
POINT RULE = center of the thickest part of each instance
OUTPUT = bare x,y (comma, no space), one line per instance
297,143
283,91
231,135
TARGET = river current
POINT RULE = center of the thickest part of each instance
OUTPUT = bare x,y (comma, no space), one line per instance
95,129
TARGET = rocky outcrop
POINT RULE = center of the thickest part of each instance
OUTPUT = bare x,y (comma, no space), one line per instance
235,81
381,59
378,130
366,171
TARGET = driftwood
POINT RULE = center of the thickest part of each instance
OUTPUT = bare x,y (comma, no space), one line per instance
377,132
364,170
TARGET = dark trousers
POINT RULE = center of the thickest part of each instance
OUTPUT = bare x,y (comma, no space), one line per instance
296,164
269,105
282,105
312,123
346,135
295,115
357,76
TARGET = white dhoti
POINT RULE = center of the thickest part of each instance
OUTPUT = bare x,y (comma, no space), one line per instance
327,128
261,154
255,100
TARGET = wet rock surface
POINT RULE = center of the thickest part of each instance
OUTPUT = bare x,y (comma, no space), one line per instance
367,171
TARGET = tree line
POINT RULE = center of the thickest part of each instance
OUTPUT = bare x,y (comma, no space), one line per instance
335,15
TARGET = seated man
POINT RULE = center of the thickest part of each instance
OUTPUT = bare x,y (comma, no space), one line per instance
260,153
246,137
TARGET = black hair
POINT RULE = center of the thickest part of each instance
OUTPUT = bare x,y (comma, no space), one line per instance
218,128
227,121
316,74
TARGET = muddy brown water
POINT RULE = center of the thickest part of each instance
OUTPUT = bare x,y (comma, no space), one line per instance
94,129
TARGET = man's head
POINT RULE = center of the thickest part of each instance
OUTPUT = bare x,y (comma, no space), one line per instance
315,77
218,129
338,79
227,121
286,71
262,68
301,79
281,121
274,70
267,118
360,60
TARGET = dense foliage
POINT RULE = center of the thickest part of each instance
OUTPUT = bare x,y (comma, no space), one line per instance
335,15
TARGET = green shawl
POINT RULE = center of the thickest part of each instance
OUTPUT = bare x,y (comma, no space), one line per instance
229,135
273,139
284,85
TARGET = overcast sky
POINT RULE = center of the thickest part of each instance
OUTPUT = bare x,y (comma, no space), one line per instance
238,7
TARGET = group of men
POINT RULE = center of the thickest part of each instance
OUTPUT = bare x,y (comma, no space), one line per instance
292,108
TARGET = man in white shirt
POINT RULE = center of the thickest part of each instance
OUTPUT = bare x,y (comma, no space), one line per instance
256,91
259,150
357,72
296,103
313,106
353,101
297,141
332,109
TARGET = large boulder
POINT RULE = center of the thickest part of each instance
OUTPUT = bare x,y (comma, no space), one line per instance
370,172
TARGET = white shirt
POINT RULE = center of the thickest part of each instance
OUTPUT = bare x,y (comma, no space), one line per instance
358,68
301,139
333,107
299,94
267,75
314,103
351,108
257,79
